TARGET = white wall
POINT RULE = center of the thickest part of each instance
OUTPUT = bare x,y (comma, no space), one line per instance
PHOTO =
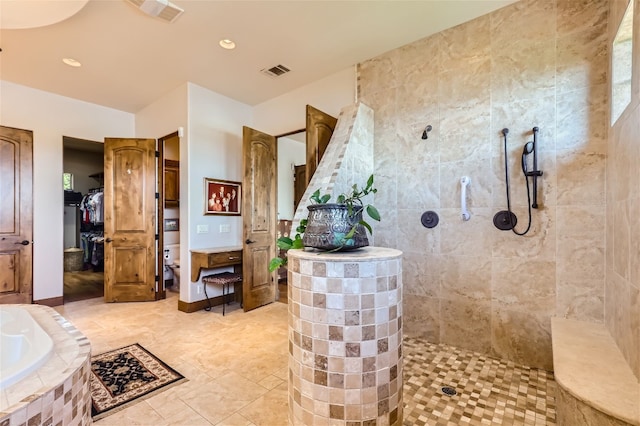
290,153
214,151
51,117
286,113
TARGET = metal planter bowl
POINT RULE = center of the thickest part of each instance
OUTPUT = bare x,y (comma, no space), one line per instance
328,224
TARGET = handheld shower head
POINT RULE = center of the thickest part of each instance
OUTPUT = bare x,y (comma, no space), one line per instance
528,148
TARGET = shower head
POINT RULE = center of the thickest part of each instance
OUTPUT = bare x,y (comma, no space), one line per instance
426,131
528,148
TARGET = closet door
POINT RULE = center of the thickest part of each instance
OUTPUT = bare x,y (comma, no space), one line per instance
16,215
129,220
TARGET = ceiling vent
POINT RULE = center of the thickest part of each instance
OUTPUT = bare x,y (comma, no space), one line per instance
162,9
276,71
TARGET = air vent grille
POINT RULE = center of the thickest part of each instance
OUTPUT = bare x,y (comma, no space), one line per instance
162,9
276,71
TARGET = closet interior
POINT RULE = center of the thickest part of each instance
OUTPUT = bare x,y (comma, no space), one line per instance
83,168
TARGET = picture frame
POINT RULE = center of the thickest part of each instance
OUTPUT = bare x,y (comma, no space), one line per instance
222,197
172,224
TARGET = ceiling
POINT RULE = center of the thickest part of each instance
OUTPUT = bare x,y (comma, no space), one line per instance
130,59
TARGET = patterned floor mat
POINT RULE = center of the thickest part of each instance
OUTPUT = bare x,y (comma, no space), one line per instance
127,375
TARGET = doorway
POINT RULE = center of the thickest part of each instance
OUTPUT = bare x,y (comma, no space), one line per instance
83,168
291,186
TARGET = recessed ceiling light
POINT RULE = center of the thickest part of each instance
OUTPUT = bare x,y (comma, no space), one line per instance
71,62
227,44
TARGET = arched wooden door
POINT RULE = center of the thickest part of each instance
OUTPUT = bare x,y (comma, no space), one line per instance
16,215
259,203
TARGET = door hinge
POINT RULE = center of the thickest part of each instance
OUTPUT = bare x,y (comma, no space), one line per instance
157,278
157,154
157,237
157,195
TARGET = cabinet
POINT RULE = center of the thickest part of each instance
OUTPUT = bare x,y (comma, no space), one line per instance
218,257
171,183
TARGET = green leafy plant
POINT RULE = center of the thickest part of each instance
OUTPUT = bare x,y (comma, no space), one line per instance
354,203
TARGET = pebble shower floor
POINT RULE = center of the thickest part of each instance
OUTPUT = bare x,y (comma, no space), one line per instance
489,391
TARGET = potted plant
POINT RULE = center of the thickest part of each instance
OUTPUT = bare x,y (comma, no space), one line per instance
338,226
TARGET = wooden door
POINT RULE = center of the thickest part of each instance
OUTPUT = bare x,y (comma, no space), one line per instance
16,215
299,184
320,127
129,220
259,152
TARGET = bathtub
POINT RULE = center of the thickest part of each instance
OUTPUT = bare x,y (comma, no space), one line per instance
24,345
46,368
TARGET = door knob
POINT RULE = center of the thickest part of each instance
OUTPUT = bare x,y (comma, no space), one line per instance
108,240
23,242
248,241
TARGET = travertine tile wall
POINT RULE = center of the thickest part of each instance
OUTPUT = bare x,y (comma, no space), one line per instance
622,287
534,63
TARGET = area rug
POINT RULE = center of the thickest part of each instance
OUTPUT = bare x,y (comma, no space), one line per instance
125,376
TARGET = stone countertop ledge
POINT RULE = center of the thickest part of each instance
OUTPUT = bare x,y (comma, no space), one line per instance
588,364
363,254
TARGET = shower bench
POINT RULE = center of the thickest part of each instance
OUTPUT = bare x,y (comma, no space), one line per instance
595,382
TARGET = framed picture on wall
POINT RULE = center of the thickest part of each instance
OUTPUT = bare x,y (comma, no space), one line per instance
222,197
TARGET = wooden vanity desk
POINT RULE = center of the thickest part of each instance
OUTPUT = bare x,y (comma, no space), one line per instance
217,257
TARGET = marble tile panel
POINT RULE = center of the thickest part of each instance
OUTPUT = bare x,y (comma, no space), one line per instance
465,238
624,161
621,238
419,187
379,73
465,99
521,337
421,274
580,258
529,19
382,101
465,322
582,119
576,15
464,45
465,144
580,299
581,59
417,101
523,71
465,277
418,60
573,186
422,318
527,285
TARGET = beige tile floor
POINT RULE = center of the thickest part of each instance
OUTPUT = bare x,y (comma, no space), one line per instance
236,368
236,365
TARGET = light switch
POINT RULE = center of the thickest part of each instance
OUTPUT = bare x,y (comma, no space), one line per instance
225,228
202,229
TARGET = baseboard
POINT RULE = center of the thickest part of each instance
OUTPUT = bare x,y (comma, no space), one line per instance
54,301
198,305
